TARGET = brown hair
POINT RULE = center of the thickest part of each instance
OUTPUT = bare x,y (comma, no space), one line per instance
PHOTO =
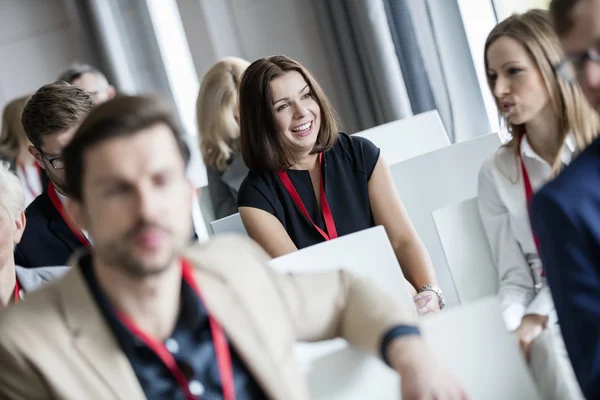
533,31
13,140
263,147
561,13
54,108
217,101
121,116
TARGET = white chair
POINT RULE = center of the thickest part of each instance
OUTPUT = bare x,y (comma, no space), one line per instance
467,250
230,224
473,343
409,137
435,180
335,371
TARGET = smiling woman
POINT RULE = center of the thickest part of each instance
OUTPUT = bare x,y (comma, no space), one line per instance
309,183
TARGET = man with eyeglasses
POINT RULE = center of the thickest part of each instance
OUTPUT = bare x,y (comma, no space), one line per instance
566,213
91,79
50,119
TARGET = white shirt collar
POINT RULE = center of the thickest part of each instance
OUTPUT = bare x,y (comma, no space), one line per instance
61,197
63,200
566,153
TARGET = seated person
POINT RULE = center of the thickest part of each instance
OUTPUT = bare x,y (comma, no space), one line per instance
50,119
15,281
141,316
218,121
565,213
14,148
90,79
308,183
519,56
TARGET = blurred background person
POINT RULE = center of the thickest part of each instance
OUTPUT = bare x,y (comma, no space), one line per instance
14,146
544,115
90,79
15,281
218,122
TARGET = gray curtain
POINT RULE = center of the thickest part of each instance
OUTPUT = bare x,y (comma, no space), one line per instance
363,54
103,29
409,55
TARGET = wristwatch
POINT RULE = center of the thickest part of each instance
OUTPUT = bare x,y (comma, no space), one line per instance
436,290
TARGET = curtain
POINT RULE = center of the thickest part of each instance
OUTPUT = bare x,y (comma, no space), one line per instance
363,55
409,55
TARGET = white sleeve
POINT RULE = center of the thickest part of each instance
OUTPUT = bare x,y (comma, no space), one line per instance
543,304
514,274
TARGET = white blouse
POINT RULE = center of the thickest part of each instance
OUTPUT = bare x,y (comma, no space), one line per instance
523,289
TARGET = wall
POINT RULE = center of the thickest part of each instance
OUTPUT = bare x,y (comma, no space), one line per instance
252,29
38,39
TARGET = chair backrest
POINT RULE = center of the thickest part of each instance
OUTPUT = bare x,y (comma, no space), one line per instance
367,253
467,250
410,137
333,370
230,224
473,343
435,180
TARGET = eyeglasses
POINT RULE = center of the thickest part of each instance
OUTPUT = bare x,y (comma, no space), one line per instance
56,162
570,69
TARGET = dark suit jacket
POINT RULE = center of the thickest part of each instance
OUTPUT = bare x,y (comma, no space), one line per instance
47,239
566,217
223,186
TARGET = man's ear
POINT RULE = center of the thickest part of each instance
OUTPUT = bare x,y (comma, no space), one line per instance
20,223
111,92
75,211
37,155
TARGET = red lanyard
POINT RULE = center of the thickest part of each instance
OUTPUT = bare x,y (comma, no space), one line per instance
61,210
17,290
528,197
34,193
327,216
218,337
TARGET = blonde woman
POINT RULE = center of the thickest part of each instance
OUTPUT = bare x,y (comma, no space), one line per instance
16,281
218,121
14,150
549,119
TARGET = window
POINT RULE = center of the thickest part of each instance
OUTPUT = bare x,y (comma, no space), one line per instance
504,8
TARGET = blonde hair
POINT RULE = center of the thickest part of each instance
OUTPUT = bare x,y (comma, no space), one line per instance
534,31
13,140
217,100
12,197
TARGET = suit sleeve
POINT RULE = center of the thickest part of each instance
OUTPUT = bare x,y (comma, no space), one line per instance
20,258
570,258
18,380
335,304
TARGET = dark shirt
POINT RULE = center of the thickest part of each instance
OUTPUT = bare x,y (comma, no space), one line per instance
347,168
190,344
565,215
223,186
47,239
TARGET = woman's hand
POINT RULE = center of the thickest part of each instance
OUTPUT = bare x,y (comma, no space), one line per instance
427,302
532,325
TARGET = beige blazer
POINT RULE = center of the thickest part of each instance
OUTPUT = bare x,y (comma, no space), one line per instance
57,345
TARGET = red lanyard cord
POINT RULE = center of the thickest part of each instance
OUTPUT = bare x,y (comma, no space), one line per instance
219,340
61,210
17,296
327,216
528,198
